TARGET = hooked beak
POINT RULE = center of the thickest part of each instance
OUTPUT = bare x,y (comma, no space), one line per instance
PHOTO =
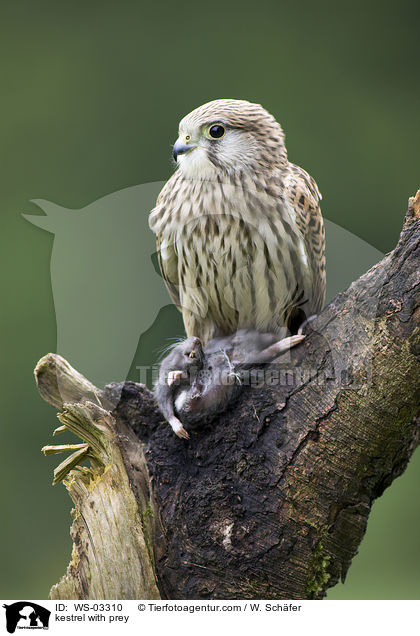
180,148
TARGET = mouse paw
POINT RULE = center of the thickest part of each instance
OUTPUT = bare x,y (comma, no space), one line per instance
173,376
178,429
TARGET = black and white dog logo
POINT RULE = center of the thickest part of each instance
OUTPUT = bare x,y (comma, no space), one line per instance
26,615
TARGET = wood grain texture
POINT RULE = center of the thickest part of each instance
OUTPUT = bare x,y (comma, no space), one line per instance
115,515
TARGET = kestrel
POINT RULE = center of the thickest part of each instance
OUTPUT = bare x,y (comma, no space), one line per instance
239,228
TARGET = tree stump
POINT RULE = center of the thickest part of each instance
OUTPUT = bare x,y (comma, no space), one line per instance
271,499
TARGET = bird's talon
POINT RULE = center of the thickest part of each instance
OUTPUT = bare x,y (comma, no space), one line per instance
306,323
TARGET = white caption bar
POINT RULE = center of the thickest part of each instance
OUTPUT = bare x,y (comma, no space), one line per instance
204,617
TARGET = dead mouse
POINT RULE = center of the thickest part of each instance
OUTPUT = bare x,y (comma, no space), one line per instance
195,383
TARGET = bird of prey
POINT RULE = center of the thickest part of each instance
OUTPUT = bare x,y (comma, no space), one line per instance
239,229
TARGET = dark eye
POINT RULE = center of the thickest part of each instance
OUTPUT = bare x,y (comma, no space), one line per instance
217,131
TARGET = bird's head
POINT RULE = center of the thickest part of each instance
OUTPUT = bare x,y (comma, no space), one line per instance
227,137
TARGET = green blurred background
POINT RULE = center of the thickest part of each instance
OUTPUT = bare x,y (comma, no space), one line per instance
91,97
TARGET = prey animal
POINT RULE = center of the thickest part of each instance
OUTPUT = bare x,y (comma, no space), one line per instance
195,382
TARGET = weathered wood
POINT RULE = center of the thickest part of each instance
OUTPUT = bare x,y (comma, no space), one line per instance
115,515
271,500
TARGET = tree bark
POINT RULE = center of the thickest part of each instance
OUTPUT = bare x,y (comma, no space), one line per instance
270,500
